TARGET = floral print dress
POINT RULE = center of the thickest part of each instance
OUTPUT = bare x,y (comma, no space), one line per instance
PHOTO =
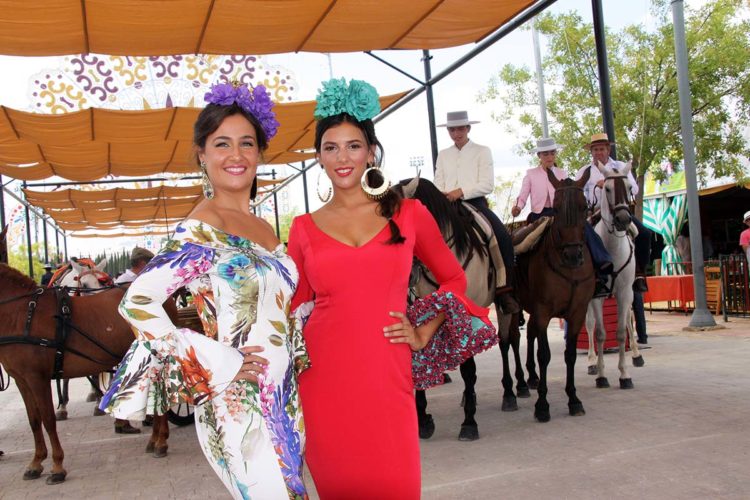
252,435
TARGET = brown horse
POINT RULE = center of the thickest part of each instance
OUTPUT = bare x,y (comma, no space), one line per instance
98,339
556,279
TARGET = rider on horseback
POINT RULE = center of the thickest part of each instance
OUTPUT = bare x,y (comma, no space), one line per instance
536,184
464,172
600,149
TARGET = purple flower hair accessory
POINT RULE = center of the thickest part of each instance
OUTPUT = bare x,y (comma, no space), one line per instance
256,102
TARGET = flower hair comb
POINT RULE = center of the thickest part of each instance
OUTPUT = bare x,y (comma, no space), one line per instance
256,102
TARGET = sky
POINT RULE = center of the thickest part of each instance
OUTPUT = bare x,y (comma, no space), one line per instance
404,134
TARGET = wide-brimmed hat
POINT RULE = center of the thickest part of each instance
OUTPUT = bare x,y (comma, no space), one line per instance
546,144
746,216
599,139
457,119
139,253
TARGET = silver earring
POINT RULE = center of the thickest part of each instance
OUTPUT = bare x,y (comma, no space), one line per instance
324,197
374,192
208,188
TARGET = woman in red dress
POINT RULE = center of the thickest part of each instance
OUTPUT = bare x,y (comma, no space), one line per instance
367,352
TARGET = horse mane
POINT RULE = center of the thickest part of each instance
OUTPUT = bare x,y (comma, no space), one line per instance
567,212
15,277
453,219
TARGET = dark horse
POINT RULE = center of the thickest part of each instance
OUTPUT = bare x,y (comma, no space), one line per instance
556,279
470,243
97,338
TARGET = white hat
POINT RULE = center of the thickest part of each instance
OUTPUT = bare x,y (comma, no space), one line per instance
746,216
546,144
457,119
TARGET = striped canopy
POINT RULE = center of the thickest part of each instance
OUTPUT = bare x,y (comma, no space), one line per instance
666,216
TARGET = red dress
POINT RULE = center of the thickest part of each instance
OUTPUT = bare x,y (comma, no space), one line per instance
357,399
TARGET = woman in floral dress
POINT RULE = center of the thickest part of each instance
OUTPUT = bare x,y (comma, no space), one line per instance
241,375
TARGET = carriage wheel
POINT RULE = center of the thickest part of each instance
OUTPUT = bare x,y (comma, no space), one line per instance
181,414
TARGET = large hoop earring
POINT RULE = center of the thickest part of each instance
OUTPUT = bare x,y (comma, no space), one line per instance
324,197
208,188
374,192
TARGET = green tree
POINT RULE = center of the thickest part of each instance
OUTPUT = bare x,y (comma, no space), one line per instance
19,259
285,223
644,89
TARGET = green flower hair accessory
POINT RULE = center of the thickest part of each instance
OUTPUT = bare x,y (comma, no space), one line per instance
358,99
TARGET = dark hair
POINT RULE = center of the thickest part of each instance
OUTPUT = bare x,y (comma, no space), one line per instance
390,203
211,118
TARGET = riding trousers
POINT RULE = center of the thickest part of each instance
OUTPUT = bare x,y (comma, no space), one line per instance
599,255
501,233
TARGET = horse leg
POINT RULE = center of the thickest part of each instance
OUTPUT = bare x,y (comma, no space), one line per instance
469,428
62,399
601,335
590,326
575,406
35,468
539,327
509,398
43,397
95,393
638,360
156,422
624,301
162,431
522,388
424,419
533,379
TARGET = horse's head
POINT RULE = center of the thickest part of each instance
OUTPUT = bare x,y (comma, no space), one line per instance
85,277
570,217
616,188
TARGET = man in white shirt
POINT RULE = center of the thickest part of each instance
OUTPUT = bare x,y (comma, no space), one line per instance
464,172
600,147
139,257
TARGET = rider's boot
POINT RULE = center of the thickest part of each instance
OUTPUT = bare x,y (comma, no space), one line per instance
640,284
124,427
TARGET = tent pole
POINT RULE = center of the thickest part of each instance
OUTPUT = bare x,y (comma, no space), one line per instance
28,237
701,318
304,188
603,66
46,247
65,242
426,58
57,246
276,206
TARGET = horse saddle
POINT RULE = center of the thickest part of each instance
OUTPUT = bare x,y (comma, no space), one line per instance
491,244
528,236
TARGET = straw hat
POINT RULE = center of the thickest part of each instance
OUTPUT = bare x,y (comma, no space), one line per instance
599,139
457,119
139,253
546,144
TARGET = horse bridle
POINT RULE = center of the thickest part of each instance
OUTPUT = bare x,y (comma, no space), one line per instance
102,277
613,224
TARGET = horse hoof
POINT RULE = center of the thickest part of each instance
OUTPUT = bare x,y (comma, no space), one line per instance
56,478
91,397
468,433
593,370
626,383
98,412
602,383
576,410
509,404
533,383
426,427
638,361
522,391
32,474
542,416
150,447
160,452
61,415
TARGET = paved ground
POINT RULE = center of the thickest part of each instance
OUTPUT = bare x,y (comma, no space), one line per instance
681,433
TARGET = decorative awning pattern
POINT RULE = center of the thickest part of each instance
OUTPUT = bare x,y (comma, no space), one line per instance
94,143
151,27
75,210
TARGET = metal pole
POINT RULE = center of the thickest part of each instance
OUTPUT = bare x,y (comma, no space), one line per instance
44,232
65,242
2,204
57,246
603,66
28,238
701,316
540,80
276,206
304,188
426,57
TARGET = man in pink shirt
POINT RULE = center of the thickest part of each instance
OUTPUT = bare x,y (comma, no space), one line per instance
745,236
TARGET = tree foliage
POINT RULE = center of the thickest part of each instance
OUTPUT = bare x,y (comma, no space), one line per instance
644,89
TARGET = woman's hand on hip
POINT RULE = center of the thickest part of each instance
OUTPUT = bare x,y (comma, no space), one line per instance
404,332
252,364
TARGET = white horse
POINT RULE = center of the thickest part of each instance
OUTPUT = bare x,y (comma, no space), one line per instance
613,228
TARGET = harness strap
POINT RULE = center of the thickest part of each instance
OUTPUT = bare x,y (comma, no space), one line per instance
574,282
61,331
